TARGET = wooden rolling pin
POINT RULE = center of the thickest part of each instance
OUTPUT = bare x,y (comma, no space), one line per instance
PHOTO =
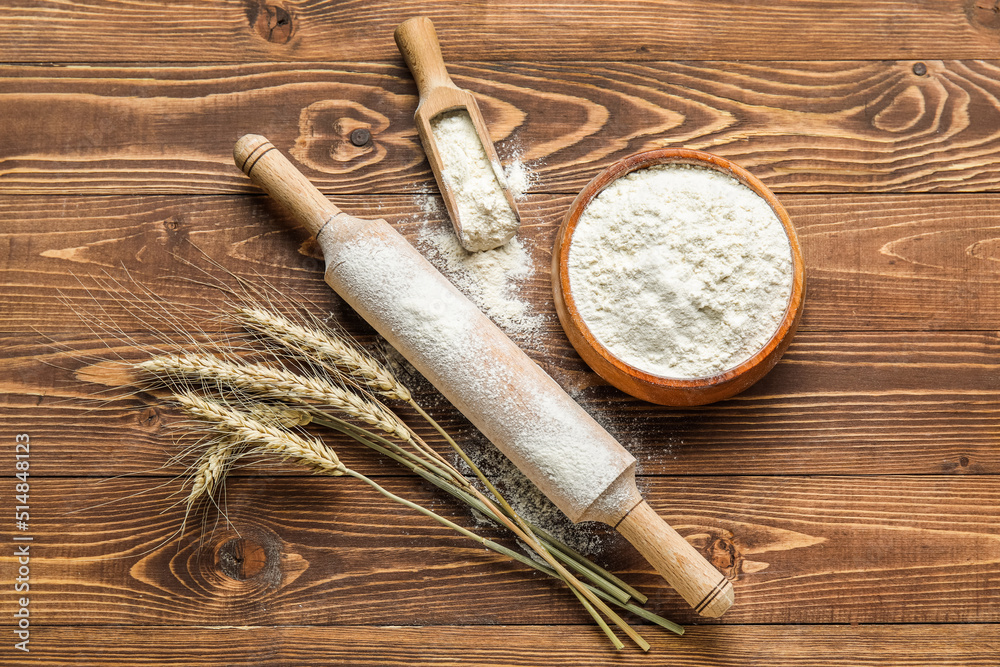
552,440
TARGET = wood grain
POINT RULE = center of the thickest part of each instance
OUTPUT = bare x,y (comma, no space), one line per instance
887,262
857,484
963,645
328,551
220,30
840,403
847,393
844,126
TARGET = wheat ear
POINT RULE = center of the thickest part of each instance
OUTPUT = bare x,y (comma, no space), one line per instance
240,427
220,454
326,348
273,383
211,470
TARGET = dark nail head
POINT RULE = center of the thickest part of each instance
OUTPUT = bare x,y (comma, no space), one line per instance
360,136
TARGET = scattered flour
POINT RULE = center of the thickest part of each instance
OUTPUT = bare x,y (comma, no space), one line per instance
680,271
486,218
588,537
492,279
519,178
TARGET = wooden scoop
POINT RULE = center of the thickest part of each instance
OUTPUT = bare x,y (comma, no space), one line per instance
507,396
418,43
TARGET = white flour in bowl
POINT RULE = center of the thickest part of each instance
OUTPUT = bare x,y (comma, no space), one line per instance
680,271
485,216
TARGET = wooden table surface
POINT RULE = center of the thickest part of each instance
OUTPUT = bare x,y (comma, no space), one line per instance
852,495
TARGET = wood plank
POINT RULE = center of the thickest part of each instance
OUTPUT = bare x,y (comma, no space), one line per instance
964,645
801,127
840,400
887,262
838,403
892,549
221,30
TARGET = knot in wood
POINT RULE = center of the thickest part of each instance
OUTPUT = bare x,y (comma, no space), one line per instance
272,23
149,416
243,558
339,136
724,555
983,13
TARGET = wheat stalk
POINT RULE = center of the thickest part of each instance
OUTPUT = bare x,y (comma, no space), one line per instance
299,338
259,428
326,348
242,428
273,383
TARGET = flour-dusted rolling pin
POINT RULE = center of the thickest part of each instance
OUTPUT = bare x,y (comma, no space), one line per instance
552,440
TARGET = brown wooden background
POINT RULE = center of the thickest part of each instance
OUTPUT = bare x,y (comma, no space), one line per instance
853,495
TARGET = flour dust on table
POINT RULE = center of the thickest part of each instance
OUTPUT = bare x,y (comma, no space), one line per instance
493,279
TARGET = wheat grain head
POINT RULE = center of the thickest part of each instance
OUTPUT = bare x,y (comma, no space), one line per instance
271,383
325,347
263,438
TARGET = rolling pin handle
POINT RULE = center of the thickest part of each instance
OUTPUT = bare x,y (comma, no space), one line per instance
706,589
418,43
272,172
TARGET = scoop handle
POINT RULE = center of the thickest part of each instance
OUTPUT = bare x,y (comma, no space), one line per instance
418,43
272,172
706,589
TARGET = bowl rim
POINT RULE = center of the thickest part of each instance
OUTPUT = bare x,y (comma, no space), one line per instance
771,350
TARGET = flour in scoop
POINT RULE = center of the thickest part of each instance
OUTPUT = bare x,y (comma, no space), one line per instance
485,216
680,271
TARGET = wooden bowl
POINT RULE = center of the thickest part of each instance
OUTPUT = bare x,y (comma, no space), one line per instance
638,383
